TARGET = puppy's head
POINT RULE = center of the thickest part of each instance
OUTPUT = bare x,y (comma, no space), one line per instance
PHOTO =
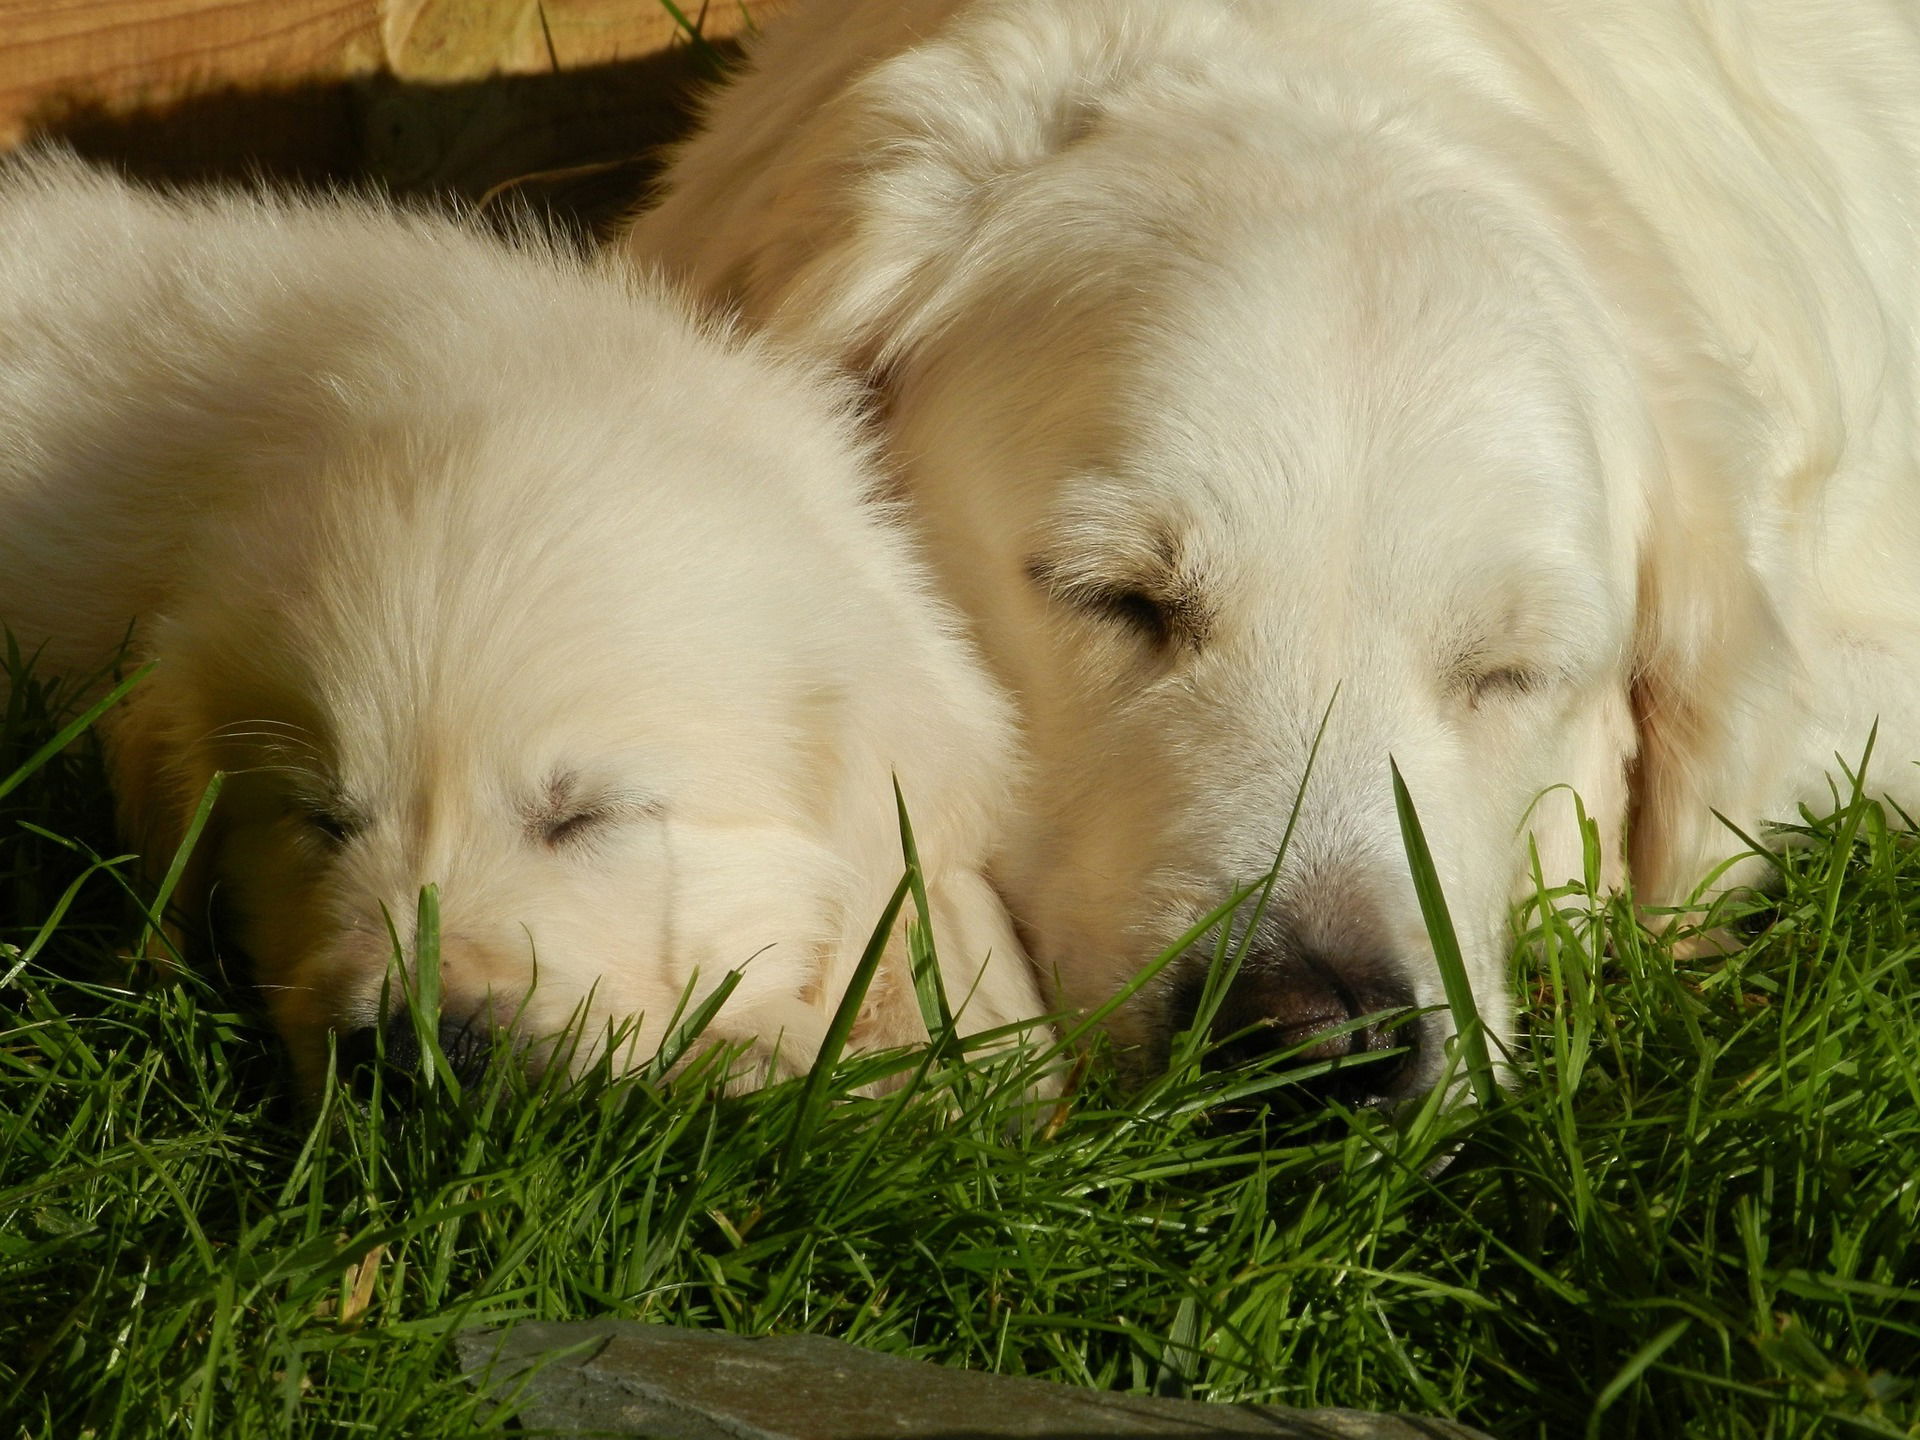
629,688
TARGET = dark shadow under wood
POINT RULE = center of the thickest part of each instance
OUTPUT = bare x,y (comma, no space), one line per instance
580,144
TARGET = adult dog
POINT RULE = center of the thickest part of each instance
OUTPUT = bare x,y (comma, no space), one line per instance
1538,377
476,565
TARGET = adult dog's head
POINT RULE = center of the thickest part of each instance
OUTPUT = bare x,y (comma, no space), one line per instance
1231,398
604,639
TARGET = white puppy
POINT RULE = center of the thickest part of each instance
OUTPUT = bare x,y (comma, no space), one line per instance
475,565
1541,378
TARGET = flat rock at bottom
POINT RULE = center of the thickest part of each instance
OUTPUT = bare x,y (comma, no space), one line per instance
626,1379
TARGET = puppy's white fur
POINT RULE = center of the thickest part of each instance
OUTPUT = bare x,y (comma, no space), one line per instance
1540,376
478,566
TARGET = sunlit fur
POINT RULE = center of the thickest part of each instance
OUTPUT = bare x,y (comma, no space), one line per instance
477,566
1538,377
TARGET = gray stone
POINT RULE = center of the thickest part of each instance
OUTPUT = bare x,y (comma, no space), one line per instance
625,1379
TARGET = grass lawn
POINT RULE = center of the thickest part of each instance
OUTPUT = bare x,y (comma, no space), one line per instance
1692,1214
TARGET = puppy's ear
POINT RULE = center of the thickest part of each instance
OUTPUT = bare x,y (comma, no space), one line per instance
159,778
938,728
836,201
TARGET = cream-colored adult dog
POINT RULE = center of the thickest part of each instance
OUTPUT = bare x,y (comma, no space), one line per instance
1540,377
478,566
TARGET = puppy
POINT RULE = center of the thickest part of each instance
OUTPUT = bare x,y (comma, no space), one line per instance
1534,386
479,566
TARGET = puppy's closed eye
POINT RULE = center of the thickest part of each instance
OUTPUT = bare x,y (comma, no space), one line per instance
571,829
332,821
566,816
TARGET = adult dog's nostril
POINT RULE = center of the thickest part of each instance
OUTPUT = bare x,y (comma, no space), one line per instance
468,1045
1298,1003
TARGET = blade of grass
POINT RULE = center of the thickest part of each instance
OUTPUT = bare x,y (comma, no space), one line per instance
697,41
1446,945
74,728
156,913
1636,1366
694,1025
426,997
929,985
1228,958
814,1094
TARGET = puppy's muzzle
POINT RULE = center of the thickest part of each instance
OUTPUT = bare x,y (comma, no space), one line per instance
1347,1013
466,1041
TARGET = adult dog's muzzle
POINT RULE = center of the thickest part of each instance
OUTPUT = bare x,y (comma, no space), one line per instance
1339,1011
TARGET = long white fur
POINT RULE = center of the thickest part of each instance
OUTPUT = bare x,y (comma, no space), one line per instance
1541,375
583,612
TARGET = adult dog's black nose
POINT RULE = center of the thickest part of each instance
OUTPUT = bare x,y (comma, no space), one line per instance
1320,1010
466,1043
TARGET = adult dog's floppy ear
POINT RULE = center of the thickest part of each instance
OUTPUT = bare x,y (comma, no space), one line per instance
836,201
1715,685
159,778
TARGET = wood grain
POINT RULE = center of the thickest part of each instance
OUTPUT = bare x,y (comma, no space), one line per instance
108,56
133,52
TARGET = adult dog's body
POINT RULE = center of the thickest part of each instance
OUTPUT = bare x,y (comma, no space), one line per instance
1540,376
477,566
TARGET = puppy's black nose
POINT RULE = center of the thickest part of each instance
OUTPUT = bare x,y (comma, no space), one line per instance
1287,1000
466,1043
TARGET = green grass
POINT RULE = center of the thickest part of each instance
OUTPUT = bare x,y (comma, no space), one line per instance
1692,1213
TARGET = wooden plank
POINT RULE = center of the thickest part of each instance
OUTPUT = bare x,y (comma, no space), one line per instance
467,39
103,57
122,53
